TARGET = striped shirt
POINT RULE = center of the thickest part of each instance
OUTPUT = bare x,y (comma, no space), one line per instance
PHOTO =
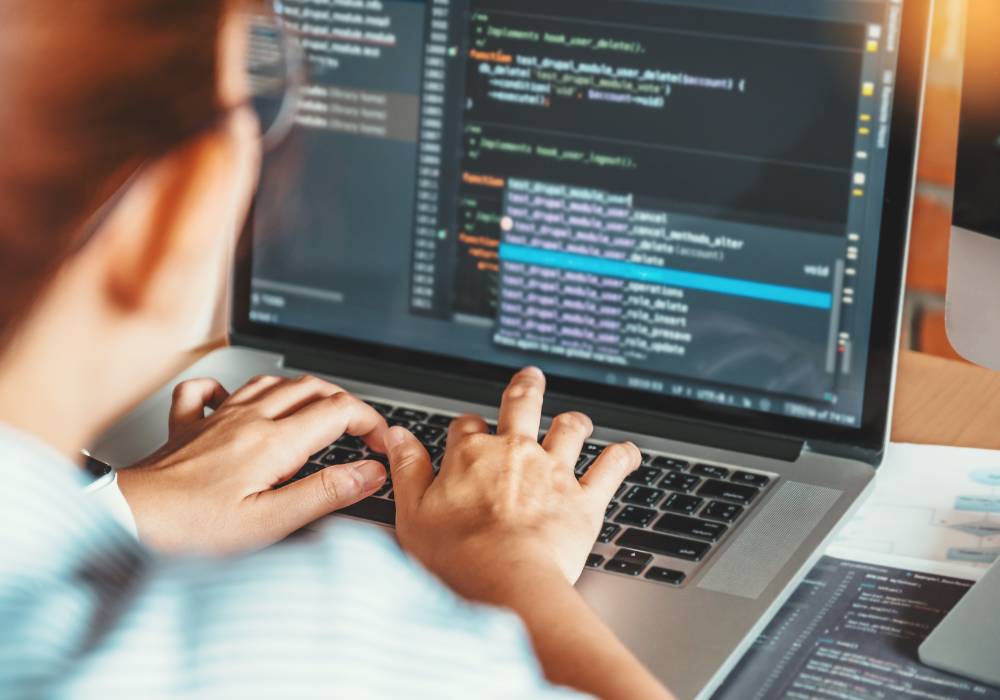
87,612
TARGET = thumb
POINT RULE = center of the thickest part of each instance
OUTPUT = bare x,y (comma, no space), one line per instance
412,472
294,506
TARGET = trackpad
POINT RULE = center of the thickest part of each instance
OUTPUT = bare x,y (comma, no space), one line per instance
768,540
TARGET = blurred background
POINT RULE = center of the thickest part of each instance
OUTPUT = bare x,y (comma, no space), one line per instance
923,323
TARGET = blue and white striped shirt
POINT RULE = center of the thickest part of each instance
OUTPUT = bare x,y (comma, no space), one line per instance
87,612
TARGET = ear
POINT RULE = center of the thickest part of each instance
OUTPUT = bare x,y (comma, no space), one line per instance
169,236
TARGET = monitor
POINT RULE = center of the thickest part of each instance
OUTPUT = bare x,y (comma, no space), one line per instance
973,286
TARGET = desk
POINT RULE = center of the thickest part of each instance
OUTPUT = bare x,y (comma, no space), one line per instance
943,402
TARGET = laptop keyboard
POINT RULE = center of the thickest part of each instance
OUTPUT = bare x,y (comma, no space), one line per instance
664,522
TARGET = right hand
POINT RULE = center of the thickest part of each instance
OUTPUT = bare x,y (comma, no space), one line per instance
504,503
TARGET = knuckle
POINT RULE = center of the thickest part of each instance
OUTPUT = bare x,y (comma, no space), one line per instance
522,389
314,382
622,455
468,421
470,445
519,446
341,400
573,421
335,484
408,458
261,379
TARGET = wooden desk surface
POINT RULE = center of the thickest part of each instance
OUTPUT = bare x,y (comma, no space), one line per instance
942,402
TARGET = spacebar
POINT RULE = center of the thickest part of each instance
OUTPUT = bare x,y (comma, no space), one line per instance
378,509
663,544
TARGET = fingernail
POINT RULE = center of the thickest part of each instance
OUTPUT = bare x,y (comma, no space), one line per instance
394,437
371,474
534,370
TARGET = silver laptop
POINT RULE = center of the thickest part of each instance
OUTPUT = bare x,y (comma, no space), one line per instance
691,215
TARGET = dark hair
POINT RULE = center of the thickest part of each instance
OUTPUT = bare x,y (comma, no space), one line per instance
90,89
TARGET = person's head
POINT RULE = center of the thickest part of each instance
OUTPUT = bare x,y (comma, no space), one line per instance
94,91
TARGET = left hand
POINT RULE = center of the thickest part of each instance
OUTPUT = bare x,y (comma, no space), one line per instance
209,488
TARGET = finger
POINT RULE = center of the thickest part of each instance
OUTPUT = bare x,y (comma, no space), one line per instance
609,470
325,421
412,473
190,399
521,406
288,509
465,425
252,389
290,395
566,436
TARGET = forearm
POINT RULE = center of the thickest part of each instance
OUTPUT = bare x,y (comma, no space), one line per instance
576,649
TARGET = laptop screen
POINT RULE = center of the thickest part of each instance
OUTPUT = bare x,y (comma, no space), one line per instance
677,198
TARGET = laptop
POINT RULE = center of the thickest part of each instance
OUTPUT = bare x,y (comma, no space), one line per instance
692,215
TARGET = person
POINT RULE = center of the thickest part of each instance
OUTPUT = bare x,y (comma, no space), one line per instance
482,602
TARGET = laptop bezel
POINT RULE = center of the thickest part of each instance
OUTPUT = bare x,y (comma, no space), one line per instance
870,437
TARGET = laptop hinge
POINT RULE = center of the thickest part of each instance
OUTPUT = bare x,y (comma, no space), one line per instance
846,451
606,414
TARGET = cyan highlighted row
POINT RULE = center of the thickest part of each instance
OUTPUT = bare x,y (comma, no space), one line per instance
665,276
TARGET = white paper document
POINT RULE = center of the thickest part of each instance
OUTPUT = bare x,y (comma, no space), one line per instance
933,503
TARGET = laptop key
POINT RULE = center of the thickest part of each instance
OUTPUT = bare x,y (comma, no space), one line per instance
674,465
594,561
633,556
383,408
666,545
339,455
592,449
680,503
608,532
757,480
427,434
661,575
620,566
726,512
351,442
646,476
610,510
581,463
440,421
409,414
398,422
643,496
710,470
737,493
634,515
692,527
677,481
